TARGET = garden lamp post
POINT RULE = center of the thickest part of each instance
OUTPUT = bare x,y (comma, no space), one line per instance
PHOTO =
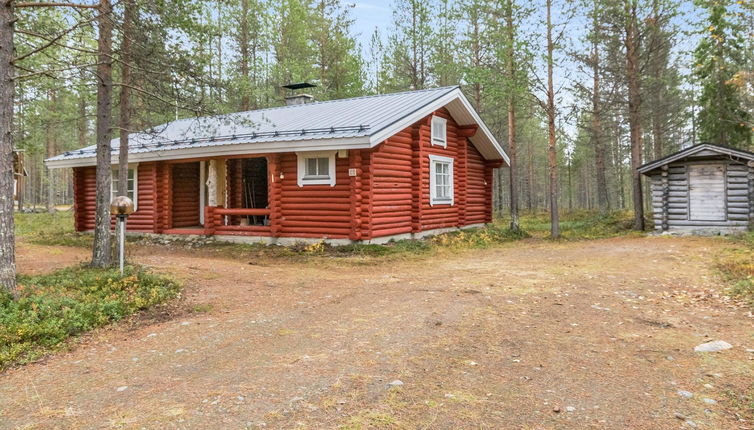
122,207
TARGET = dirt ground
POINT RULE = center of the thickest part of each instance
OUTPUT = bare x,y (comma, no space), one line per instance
532,335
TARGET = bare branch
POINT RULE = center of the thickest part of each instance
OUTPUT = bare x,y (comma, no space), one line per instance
55,4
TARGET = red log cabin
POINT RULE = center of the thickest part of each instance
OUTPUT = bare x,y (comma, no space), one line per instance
367,169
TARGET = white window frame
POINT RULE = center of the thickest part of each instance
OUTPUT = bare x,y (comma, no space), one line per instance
433,199
439,122
114,172
301,175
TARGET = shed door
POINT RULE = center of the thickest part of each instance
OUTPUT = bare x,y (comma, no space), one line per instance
707,192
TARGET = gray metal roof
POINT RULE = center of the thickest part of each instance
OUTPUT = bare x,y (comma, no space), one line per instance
701,149
336,124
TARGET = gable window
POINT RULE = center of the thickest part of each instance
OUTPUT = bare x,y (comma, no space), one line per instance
439,131
316,168
132,184
440,180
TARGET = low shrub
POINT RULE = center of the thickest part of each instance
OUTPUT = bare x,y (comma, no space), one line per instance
55,307
479,237
737,268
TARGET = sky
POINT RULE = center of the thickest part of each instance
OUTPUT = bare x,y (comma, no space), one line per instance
369,14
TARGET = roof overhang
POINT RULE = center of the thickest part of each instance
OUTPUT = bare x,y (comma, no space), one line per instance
222,151
700,150
463,113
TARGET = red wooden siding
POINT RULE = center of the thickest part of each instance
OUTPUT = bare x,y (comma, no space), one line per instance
391,178
143,219
85,188
314,210
439,216
476,209
185,195
388,195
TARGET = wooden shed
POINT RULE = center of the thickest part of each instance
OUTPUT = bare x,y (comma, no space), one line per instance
704,189
366,169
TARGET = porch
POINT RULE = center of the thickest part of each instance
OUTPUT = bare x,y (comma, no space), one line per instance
218,197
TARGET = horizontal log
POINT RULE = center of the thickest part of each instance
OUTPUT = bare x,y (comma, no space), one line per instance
241,211
708,223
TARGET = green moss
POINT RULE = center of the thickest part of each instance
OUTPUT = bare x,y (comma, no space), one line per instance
55,307
50,229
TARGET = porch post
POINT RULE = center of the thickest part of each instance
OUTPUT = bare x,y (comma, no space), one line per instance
212,184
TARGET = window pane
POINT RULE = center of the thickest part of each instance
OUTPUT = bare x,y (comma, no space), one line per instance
311,167
323,166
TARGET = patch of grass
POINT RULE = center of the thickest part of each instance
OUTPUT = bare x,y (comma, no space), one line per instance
579,225
54,307
202,308
50,229
737,268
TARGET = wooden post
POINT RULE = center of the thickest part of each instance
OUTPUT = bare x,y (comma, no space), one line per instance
664,199
417,154
356,193
274,193
209,220
212,184
751,195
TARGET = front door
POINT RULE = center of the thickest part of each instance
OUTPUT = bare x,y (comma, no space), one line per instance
707,192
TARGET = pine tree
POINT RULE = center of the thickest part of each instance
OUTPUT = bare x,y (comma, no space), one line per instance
719,57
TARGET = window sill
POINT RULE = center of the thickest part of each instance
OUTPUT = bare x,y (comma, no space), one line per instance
322,181
441,202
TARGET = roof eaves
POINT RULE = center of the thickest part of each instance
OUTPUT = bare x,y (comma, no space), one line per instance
648,167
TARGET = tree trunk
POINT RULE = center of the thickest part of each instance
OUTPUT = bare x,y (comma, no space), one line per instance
243,47
82,111
603,200
7,228
125,96
102,253
657,63
551,148
512,148
634,111
530,176
51,149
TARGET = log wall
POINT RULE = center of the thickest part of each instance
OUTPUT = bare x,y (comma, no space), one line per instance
314,210
671,197
84,206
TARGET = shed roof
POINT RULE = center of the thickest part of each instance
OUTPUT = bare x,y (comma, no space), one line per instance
361,122
698,151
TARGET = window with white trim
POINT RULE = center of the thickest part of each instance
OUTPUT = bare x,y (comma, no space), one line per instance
316,168
440,180
439,131
132,184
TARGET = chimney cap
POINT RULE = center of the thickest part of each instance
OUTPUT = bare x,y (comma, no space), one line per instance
299,86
